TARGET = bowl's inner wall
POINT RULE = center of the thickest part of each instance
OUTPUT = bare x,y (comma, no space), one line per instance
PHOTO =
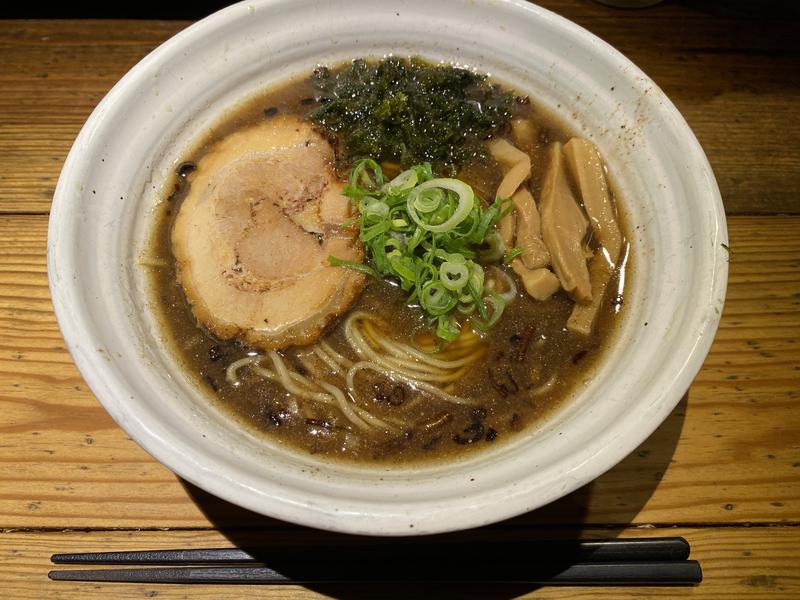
169,101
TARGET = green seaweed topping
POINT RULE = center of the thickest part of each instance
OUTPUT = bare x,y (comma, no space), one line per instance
410,112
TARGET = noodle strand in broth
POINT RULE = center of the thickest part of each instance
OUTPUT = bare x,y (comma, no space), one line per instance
398,362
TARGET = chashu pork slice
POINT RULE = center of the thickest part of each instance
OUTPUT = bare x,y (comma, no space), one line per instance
252,237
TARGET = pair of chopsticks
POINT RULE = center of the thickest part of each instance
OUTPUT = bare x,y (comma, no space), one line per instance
653,561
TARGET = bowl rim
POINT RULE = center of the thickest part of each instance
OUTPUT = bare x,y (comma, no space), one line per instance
161,449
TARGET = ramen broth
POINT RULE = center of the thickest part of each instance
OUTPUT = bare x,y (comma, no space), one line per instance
529,361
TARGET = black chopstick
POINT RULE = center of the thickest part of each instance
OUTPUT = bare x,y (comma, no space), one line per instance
618,550
650,561
636,573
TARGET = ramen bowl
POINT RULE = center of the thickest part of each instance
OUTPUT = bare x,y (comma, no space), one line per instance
120,165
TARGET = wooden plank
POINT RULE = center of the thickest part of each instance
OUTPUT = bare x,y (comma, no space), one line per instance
53,74
730,70
737,562
728,454
731,74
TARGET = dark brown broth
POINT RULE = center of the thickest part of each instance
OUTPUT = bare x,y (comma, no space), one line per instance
502,384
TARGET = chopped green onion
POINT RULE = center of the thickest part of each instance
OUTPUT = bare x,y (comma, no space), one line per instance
355,266
457,257
496,247
424,233
367,233
405,181
476,277
416,239
376,210
360,178
404,267
399,224
454,275
436,299
498,305
365,201
428,200
512,254
349,223
424,172
489,217
466,309
393,242
478,300
447,329
466,200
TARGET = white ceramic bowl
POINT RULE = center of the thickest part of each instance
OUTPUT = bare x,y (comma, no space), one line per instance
118,165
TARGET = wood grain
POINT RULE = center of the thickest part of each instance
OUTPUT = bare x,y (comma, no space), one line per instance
730,453
723,470
732,75
737,562
53,74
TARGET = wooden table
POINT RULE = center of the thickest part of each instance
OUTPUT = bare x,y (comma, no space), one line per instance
723,470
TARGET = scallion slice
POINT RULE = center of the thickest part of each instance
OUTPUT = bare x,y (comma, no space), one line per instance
454,275
512,254
425,233
466,200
